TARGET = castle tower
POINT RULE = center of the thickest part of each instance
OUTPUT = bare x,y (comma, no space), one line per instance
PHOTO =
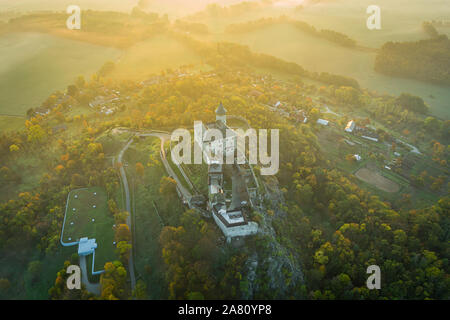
221,114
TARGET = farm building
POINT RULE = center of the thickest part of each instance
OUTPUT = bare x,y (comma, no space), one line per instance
370,138
322,122
350,126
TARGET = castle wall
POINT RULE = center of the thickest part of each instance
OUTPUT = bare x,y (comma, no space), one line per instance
237,231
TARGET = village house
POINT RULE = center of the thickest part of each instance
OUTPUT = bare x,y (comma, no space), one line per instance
350,126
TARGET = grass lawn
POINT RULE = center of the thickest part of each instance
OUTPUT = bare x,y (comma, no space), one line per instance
8,123
79,223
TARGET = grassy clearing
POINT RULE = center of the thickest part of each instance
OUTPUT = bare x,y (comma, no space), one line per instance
79,223
375,178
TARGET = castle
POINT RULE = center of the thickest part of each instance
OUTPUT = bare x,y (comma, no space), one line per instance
227,210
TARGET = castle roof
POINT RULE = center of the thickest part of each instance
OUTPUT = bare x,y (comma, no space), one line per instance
221,111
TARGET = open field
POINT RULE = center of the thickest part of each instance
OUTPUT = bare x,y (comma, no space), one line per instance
35,65
11,123
376,179
152,56
87,221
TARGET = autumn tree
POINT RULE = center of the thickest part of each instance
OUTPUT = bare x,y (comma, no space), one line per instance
113,282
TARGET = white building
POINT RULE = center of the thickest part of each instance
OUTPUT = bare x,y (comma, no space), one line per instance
86,246
233,223
216,150
350,126
221,114
370,138
322,122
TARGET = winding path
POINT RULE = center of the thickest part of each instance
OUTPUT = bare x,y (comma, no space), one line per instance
124,179
163,136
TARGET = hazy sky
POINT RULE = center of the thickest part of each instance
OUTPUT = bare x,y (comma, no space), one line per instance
126,5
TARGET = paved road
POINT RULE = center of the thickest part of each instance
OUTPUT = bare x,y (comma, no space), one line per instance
91,287
123,176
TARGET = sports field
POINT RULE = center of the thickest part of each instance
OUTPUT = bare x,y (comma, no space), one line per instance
87,216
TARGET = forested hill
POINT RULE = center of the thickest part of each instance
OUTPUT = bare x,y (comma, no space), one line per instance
328,224
427,60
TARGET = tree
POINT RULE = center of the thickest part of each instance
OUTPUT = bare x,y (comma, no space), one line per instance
189,253
112,206
140,169
121,217
113,281
314,114
35,268
14,148
124,249
431,124
347,95
122,233
36,133
140,290
4,285
168,186
195,296
72,90
413,103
